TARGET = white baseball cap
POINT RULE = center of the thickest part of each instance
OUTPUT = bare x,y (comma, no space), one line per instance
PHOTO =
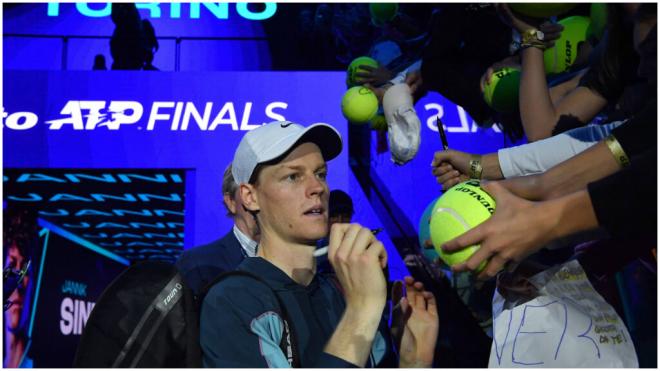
274,139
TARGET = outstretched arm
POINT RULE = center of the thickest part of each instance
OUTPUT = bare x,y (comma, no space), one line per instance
519,228
538,113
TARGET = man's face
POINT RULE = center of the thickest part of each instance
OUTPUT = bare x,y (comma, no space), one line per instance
16,262
292,196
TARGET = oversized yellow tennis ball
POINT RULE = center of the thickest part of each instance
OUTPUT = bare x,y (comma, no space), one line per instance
424,231
458,210
541,10
382,13
562,55
354,67
502,92
359,105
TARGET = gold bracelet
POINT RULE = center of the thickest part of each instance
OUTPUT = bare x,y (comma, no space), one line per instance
537,45
615,147
475,167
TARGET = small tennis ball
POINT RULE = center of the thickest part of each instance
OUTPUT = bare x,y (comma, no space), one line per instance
378,122
459,209
502,92
598,16
562,55
541,10
359,105
382,13
354,67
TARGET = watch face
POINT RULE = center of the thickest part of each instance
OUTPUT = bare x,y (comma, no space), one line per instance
540,35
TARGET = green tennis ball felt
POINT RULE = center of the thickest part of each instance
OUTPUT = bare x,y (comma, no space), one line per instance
378,122
562,55
354,67
359,105
382,13
541,10
598,16
458,210
501,93
424,231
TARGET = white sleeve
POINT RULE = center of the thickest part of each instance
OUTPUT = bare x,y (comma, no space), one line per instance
400,78
537,157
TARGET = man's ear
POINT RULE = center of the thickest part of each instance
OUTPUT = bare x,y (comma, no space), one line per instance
230,203
249,198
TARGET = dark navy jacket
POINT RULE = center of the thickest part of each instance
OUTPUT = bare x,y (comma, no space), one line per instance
202,264
240,325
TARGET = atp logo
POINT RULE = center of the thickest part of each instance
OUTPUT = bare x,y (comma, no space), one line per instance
89,115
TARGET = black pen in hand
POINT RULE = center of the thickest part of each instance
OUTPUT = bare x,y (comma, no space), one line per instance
443,137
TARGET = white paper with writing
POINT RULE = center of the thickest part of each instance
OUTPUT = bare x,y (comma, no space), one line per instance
568,325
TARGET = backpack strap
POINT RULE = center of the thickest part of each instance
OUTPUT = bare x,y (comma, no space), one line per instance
288,344
159,308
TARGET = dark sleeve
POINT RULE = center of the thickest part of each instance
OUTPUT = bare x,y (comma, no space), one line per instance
327,360
625,203
240,328
640,132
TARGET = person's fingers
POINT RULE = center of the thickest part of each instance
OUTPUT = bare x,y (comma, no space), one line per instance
495,189
377,251
444,168
397,291
363,239
440,157
447,176
471,237
337,232
348,240
460,267
451,182
489,74
431,305
480,255
414,86
411,294
405,307
495,265
412,77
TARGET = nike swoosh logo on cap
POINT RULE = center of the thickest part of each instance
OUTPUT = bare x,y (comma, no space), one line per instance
285,124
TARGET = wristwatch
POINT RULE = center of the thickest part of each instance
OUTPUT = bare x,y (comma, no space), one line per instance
533,37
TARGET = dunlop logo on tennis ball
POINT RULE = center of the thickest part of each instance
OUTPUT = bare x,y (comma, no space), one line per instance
476,196
568,53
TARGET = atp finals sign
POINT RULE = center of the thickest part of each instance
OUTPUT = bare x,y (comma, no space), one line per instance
174,10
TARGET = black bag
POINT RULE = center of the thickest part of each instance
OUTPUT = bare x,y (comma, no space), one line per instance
147,317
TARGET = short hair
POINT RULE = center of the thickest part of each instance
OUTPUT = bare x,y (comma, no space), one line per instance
229,186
